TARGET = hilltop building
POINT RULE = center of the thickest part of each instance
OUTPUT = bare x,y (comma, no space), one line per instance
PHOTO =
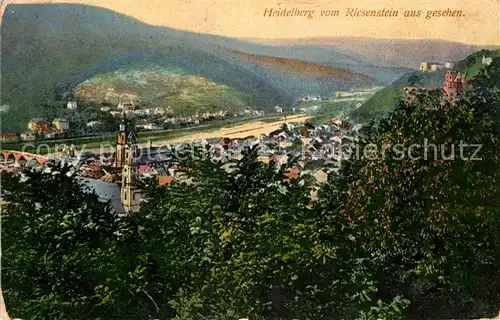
437,67
426,66
486,61
449,64
454,84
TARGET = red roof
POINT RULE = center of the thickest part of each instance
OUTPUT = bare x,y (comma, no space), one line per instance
144,168
165,180
293,173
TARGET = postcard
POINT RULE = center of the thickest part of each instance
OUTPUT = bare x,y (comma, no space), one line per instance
217,159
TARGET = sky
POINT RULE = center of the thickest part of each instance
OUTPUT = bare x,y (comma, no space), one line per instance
480,23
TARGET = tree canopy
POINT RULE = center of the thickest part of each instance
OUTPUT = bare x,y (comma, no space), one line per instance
388,237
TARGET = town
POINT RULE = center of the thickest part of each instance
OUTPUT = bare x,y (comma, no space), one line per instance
114,174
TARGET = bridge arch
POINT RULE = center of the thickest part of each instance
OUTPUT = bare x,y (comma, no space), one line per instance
21,157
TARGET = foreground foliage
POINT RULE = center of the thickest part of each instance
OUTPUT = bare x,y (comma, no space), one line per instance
387,238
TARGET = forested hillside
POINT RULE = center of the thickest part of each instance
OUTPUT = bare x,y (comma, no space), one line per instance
386,99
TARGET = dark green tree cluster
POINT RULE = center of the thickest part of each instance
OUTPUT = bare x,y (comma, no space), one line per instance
388,237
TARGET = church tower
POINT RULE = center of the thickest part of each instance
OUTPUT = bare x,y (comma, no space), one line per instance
129,193
120,145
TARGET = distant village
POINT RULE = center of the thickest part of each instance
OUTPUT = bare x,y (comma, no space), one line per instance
148,119
153,118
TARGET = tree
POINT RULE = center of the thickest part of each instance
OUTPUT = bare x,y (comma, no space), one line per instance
430,222
64,254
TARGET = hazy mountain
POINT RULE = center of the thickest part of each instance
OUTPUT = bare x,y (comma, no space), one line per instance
56,47
386,52
48,48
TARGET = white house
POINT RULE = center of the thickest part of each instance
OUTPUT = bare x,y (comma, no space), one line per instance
486,61
159,111
151,126
449,64
126,105
28,136
115,113
72,105
94,124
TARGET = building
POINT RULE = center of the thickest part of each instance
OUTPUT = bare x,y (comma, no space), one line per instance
165,180
425,66
142,112
121,141
9,136
129,193
50,134
37,125
61,125
159,111
437,66
486,61
151,127
454,84
94,124
115,113
129,105
449,64
28,136
72,105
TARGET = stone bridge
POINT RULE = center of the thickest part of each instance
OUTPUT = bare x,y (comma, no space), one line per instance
17,156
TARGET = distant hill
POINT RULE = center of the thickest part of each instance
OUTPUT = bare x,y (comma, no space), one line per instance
386,99
388,52
50,49
303,69
157,86
53,48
